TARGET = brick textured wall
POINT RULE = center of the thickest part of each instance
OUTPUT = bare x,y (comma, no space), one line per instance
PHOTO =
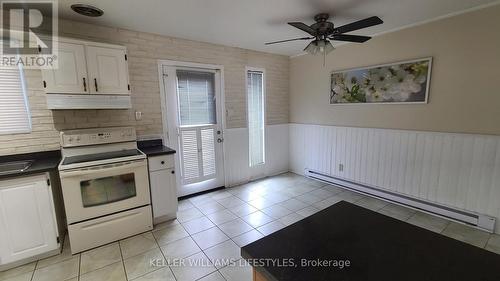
144,49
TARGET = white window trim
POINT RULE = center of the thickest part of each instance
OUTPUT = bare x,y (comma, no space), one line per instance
264,98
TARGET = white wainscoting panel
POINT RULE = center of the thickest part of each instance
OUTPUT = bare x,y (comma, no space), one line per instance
237,170
457,170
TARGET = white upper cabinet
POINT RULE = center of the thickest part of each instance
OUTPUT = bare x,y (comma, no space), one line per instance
27,219
88,68
108,70
71,74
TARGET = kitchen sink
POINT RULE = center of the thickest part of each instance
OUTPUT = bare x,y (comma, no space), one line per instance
14,167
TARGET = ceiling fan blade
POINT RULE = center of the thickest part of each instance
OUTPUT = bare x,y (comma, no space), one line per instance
304,27
288,40
371,21
351,38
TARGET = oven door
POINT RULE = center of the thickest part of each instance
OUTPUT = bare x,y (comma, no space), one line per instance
102,190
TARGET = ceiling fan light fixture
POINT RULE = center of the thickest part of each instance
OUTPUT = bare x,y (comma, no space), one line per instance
312,48
328,48
322,46
323,31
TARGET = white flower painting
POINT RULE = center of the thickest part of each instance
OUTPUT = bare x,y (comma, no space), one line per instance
406,82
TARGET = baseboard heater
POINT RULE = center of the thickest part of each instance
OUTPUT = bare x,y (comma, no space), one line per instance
483,222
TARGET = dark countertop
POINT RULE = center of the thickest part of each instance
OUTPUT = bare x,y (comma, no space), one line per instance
154,148
378,247
46,161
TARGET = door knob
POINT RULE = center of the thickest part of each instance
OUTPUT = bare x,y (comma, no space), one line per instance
219,140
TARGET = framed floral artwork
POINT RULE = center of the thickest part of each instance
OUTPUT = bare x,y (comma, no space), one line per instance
402,82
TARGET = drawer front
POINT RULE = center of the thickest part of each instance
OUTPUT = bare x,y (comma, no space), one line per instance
93,233
161,162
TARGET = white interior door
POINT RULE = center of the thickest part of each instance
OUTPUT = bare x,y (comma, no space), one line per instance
195,127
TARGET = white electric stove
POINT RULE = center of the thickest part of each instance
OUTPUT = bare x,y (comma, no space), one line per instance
105,185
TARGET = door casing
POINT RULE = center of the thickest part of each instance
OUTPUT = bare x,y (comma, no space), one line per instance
166,115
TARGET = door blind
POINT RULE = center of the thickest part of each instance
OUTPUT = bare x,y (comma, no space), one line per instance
196,94
255,104
14,112
190,159
208,151
198,158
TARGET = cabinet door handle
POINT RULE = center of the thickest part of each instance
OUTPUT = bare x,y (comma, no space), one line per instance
95,83
173,172
84,84
162,162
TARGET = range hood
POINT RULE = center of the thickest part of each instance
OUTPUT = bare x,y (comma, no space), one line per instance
68,101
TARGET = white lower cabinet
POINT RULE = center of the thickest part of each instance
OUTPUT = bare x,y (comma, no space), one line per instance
28,226
163,188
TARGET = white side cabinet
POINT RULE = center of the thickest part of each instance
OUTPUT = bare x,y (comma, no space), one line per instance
28,226
163,187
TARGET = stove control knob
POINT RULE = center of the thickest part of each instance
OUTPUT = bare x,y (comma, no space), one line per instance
77,138
70,139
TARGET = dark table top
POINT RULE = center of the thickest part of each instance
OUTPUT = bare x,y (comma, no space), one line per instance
154,148
377,247
46,161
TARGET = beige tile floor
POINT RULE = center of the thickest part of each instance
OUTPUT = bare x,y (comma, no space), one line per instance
211,228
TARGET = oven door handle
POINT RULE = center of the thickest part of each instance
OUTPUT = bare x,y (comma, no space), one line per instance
102,168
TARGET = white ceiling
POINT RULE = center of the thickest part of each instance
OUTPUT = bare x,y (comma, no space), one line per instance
250,23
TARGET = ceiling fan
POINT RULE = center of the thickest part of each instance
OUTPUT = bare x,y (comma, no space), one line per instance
323,31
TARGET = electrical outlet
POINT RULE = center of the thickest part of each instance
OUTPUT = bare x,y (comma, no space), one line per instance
341,167
138,115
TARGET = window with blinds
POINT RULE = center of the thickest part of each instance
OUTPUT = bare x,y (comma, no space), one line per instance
196,94
255,109
14,110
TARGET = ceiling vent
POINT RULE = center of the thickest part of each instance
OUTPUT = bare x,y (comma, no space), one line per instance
87,10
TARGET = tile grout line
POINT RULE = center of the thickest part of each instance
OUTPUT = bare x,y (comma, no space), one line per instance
217,226
163,254
257,210
122,260
238,217
79,265
33,273
203,251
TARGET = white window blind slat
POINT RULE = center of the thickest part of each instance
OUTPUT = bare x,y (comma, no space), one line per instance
14,110
208,152
255,108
